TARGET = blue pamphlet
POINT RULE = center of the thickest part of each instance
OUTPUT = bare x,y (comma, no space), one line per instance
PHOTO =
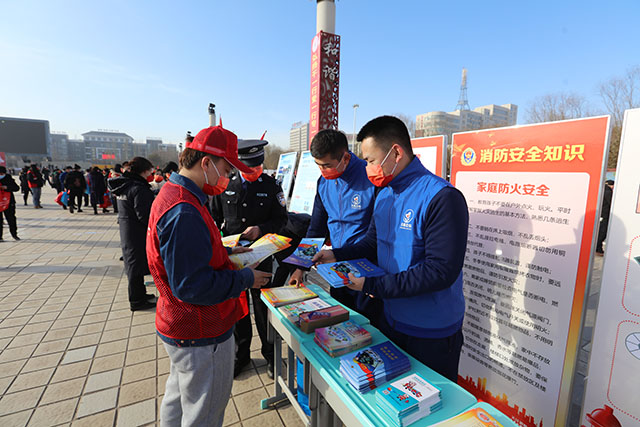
336,273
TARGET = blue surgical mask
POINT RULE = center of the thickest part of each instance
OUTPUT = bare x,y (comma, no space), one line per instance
2,176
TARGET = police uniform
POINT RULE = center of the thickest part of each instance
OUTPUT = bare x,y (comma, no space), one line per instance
241,205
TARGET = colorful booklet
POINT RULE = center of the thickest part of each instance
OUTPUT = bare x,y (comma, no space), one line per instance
474,417
368,368
312,320
293,311
342,338
231,241
336,273
409,399
263,248
305,252
287,295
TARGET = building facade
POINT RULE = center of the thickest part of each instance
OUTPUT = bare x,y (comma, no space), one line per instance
299,137
487,116
107,145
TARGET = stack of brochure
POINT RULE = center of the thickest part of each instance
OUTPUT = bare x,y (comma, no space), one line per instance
342,338
287,295
337,273
262,249
293,311
312,320
409,399
371,367
305,252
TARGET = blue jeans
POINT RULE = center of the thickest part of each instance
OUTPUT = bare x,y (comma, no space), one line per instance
36,191
199,384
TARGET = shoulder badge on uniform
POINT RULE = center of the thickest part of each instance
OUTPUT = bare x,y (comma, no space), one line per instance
281,199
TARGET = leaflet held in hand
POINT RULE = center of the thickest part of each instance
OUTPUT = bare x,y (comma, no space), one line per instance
337,273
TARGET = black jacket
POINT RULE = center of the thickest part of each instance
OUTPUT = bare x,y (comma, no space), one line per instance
11,186
134,198
75,182
97,187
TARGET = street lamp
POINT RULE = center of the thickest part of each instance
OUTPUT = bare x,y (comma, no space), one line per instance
353,138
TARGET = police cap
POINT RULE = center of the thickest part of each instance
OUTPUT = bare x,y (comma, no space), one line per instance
251,151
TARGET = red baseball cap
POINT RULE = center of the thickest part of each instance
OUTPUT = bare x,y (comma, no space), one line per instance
217,141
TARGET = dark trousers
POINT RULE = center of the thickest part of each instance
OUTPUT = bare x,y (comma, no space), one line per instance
243,332
25,196
85,196
602,234
440,354
10,215
137,291
75,199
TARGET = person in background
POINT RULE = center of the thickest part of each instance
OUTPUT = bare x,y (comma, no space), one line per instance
8,184
419,234
76,184
97,189
85,196
54,180
607,196
114,173
35,182
252,205
199,290
134,198
168,169
24,184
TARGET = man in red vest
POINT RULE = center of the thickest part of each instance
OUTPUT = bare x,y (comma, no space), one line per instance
199,291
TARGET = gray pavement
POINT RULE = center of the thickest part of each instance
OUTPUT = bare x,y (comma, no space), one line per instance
71,351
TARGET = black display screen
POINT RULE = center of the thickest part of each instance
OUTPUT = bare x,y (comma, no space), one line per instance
23,136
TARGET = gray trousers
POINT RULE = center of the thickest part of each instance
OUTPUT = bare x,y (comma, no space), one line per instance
199,385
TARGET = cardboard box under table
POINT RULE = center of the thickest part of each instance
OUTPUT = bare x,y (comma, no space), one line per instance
280,328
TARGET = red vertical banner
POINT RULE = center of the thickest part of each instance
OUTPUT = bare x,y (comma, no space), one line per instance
325,79
533,195
432,153
3,159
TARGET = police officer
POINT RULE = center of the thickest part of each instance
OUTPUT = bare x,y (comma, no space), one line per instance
252,205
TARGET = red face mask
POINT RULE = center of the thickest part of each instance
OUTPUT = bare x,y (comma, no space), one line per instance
158,178
150,178
221,184
376,174
333,173
254,175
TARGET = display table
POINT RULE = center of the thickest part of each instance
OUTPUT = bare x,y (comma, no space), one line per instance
356,409
280,328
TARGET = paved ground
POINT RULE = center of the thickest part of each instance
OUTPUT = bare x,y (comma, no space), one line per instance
71,352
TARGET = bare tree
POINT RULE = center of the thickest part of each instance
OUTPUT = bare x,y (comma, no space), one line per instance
619,94
409,122
557,106
271,156
161,158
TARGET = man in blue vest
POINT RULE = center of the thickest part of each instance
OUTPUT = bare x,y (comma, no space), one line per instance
419,233
343,205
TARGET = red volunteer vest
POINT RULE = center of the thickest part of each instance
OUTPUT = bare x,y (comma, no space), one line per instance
175,318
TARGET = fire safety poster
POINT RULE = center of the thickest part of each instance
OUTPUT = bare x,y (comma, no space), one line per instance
612,388
533,195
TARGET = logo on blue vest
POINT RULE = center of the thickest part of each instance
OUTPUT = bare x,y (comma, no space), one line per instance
407,219
355,202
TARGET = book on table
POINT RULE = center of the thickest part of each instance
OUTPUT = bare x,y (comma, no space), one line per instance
305,252
337,273
342,338
368,368
409,399
293,311
312,320
284,295
474,417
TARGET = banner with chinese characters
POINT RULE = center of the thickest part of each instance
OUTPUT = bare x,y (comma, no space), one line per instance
612,386
432,152
304,190
533,195
284,173
3,159
325,82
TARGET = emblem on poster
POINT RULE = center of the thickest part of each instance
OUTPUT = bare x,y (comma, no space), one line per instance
468,157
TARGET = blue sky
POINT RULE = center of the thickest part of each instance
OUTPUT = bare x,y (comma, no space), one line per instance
150,68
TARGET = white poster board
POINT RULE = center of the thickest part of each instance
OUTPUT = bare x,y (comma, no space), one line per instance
284,173
304,190
613,385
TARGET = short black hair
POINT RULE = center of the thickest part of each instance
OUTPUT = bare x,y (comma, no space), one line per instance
329,141
3,169
137,165
387,130
609,182
170,167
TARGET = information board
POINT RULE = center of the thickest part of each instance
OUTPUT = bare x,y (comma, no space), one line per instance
304,190
533,196
284,174
432,153
612,388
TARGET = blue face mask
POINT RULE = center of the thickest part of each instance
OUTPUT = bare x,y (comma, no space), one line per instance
2,176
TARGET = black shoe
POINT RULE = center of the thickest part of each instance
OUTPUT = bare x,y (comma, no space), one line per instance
239,366
80,210
70,210
142,305
149,297
15,237
121,258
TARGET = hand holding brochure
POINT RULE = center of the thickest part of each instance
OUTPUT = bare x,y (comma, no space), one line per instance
305,252
263,248
336,273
